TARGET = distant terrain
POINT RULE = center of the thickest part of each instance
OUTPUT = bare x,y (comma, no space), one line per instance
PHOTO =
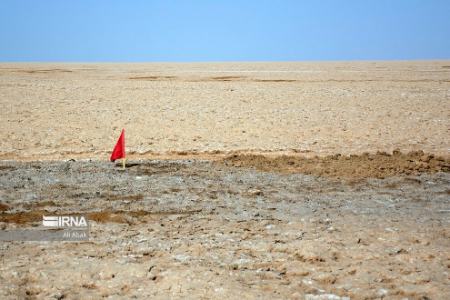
78,110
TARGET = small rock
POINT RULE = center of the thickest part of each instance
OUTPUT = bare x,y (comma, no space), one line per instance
181,257
254,192
426,157
382,292
59,296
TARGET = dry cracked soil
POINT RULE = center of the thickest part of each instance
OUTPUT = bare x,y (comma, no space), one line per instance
225,230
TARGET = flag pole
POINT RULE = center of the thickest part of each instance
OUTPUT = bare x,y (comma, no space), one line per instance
123,163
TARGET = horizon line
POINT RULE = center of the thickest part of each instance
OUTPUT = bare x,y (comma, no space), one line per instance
223,61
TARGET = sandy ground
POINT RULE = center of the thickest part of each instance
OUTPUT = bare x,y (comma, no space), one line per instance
244,180
199,229
60,110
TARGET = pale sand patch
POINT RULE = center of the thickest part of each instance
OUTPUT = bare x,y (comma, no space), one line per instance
78,110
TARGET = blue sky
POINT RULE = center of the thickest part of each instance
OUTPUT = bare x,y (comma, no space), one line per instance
134,31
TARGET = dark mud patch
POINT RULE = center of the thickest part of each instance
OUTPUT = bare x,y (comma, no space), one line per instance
7,168
115,216
247,79
22,217
205,79
3,207
46,71
153,78
447,192
127,164
275,80
234,78
114,197
121,216
353,167
226,78
153,169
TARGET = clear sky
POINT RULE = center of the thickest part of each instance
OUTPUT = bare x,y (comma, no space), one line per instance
228,30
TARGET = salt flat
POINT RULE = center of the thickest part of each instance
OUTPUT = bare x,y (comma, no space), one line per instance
227,216
191,229
66,110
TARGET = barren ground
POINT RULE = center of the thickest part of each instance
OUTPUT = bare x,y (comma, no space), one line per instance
247,180
201,229
77,110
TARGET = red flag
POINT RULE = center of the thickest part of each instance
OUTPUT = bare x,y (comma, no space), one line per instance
119,148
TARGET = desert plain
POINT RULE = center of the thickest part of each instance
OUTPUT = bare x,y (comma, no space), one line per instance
294,180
